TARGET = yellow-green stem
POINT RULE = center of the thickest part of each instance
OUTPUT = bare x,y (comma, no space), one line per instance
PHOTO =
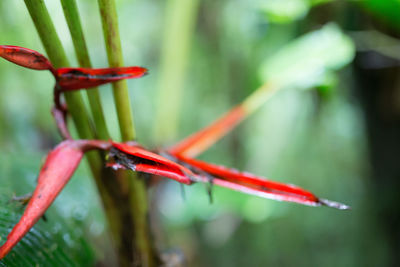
179,24
261,95
114,53
200,141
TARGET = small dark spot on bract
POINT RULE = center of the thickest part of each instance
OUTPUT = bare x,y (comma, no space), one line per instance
76,72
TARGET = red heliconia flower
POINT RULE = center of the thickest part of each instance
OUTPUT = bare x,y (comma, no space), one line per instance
176,163
68,79
64,159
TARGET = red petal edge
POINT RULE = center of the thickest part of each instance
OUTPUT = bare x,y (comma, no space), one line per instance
25,57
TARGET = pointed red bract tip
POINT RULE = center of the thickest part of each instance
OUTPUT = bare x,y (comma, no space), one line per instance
255,185
79,78
334,204
58,168
25,57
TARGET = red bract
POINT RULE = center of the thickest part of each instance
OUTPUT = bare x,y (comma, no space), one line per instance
77,78
64,159
201,140
254,185
141,160
57,170
69,78
187,170
25,57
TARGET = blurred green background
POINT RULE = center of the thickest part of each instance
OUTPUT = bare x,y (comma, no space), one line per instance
339,138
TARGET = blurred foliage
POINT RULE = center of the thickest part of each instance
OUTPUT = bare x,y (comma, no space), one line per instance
386,10
299,137
48,243
305,62
284,11
287,11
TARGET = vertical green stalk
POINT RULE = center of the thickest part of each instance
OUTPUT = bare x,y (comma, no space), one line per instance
136,190
56,53
114,53
74,23
179,24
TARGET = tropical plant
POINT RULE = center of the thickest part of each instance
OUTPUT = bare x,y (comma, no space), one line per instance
124,195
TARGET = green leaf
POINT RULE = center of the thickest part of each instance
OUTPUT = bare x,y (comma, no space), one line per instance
387,10
279,11
305,62
47,244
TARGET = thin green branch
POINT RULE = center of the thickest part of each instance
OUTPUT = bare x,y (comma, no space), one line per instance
56,53
74,23
114,53
144,249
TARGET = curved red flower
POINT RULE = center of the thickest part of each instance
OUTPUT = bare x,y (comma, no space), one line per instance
176,163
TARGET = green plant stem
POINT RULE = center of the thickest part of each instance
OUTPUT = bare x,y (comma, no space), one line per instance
55,52
179,25
136,189
74,23
114,53
109,186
